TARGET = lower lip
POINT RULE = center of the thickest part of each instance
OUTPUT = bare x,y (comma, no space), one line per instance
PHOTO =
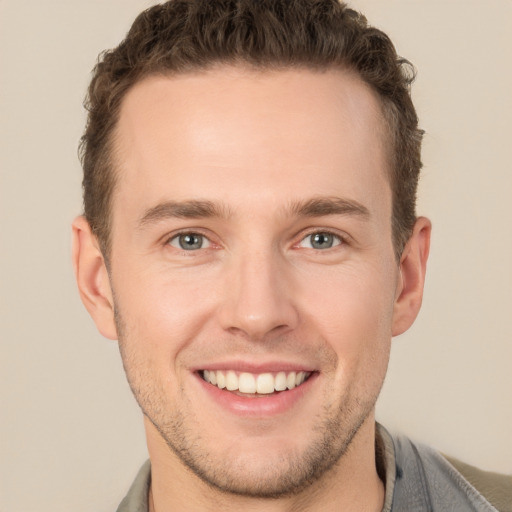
260,406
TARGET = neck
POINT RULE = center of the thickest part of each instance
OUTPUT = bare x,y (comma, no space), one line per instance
351,485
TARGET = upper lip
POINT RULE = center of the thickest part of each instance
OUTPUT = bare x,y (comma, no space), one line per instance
256,367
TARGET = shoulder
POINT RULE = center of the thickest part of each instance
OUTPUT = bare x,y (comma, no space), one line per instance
137,498
427,478
495,487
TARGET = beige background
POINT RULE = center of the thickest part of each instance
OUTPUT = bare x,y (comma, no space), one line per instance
71,434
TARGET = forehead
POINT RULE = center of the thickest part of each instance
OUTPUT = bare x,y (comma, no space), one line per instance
271,134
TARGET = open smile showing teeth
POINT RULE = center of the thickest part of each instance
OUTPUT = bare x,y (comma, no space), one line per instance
262,383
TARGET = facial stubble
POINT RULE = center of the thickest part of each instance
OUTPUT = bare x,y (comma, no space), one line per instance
285,474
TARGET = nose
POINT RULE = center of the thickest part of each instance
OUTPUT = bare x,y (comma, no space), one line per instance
257,299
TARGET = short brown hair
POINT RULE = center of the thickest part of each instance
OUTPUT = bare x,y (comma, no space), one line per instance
186,35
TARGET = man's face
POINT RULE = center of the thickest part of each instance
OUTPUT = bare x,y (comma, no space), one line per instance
251,244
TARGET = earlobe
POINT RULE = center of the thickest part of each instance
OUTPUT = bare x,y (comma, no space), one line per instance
92,278
413,264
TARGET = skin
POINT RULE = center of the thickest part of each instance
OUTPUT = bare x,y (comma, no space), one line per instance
256,145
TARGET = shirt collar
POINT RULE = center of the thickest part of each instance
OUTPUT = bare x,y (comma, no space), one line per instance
137,498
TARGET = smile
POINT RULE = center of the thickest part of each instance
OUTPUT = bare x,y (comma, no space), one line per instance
249,383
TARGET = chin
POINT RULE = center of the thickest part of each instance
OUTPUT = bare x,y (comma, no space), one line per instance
264,466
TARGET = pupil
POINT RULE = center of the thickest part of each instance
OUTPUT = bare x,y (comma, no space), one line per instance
188,242
322,240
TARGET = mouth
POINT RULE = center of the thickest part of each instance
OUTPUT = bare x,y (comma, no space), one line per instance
255,385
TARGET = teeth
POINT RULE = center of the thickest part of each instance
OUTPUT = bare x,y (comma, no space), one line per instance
263,383
280,383
246,383
299,379
290,380
231,381
221,380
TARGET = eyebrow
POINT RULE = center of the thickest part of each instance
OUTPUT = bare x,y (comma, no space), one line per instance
193,209
320,206
198,209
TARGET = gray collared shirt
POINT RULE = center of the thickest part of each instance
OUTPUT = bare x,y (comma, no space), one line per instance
417,479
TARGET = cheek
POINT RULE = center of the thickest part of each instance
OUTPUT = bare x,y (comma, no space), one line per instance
352,310
162,313
351,299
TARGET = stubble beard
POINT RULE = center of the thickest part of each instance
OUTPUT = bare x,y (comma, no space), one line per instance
282,475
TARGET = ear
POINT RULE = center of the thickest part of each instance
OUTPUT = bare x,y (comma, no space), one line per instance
413,264
92,278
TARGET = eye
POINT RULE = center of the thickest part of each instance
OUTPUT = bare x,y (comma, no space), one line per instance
189,241
320,240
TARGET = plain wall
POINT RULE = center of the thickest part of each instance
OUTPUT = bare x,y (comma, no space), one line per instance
71,433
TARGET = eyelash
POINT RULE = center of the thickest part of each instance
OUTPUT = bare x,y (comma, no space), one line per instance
342,240
190,232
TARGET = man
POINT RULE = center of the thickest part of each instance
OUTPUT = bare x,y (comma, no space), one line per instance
250,238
